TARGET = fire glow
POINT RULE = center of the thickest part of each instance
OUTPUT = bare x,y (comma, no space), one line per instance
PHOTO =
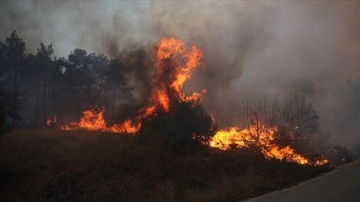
92,120
174,64
262,137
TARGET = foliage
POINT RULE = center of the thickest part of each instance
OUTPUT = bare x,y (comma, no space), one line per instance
12,56
185,127
8,111
3,118
39,86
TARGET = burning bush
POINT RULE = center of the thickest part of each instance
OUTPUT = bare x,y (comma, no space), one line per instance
184,127
181,122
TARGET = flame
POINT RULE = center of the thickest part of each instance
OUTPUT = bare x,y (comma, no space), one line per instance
48,122
174,64
51,121
185,62
92,120
126,127
262,137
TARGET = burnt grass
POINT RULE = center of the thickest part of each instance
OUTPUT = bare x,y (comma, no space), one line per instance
53,165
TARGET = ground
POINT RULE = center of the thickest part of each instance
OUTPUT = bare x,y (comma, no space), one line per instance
53,165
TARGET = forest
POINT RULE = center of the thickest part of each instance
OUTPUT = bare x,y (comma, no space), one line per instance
177,100
40,90
36,87
178,152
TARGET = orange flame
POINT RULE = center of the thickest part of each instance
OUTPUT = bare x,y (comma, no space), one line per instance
92,120
126,127
185,62
262,137
173,65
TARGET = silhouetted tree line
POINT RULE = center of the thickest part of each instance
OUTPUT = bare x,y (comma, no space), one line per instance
37,87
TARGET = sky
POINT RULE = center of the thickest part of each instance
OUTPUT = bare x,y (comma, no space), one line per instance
251,48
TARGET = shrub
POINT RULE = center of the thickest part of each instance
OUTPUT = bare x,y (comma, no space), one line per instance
182,129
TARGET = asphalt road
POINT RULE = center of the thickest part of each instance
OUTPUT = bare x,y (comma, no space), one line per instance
342,184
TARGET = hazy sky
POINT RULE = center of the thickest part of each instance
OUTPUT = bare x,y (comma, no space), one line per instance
250,47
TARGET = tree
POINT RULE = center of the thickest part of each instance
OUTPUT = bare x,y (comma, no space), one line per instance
12,57
8,112
116,87
184,128
299,121
43,56
37,77
4,125
295,119
90,80
85,73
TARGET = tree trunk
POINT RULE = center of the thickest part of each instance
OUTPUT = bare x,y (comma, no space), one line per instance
44,99
37,102
15,86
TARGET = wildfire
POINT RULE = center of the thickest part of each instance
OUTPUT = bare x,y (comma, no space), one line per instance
262,137
92,120
173,65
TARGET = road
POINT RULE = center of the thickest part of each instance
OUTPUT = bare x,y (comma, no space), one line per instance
342,184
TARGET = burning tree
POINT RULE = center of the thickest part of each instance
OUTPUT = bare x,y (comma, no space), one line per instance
295,119
181,121
173,65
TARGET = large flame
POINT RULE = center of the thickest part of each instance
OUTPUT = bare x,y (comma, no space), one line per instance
262,137
174,64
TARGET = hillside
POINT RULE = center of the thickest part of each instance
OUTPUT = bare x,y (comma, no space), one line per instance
52,165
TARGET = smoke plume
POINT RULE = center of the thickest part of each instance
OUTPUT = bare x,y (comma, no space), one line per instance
250,48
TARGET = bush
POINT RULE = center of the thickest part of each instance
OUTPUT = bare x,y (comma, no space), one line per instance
339,155
182,129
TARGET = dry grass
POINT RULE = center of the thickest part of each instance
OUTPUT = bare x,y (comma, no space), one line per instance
52,165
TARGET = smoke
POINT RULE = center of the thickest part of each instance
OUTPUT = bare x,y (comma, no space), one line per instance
250,48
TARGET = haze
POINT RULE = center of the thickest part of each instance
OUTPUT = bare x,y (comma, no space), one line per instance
251,48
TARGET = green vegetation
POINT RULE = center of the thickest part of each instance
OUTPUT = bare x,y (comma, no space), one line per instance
52,165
